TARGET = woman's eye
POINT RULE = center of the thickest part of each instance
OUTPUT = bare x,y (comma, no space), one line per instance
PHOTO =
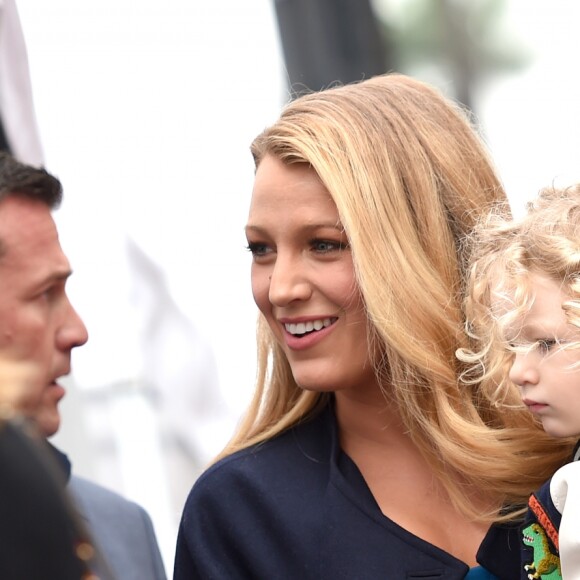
258,249
325,246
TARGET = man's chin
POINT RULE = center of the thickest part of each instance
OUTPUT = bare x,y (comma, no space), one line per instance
47,416
48,422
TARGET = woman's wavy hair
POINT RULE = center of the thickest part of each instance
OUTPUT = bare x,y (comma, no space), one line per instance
410,177
504,255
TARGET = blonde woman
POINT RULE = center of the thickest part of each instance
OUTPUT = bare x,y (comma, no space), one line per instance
362,455
524,305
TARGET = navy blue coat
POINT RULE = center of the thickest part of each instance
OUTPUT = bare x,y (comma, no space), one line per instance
298,507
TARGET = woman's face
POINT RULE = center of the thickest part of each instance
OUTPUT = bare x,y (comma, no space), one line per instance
303,279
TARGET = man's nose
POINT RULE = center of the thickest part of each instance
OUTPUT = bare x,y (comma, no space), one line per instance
73,332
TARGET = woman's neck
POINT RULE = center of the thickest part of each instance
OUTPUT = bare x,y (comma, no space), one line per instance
406,487
368,417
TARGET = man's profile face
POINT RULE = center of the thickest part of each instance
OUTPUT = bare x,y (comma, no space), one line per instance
37,322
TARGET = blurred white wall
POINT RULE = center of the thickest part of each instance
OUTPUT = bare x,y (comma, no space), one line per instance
532,119
146,112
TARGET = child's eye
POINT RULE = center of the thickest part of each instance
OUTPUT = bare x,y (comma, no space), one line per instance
546,344
515,347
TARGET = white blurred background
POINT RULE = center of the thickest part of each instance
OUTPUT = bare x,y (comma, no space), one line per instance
146,111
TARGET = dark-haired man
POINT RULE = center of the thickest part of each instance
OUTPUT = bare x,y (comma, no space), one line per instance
39,325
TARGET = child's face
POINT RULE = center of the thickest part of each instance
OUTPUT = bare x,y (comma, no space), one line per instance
547,374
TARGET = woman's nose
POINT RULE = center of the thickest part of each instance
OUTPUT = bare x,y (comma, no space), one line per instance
289,281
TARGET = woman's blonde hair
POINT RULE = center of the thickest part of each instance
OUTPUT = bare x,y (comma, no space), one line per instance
409,177
505,255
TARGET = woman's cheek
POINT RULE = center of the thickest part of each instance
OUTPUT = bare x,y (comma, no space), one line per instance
260,290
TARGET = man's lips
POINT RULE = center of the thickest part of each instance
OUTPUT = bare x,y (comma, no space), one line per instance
54,393
56,389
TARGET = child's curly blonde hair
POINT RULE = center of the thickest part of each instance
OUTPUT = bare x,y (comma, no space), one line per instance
504,255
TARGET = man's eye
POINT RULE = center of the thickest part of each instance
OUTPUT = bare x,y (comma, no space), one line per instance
49,294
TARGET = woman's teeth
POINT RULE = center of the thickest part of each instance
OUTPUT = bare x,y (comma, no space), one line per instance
305,327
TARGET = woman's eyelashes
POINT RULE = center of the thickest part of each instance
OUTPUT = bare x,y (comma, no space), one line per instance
319,246
258,249
323,246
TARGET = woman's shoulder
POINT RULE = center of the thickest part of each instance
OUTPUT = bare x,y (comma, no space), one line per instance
302,451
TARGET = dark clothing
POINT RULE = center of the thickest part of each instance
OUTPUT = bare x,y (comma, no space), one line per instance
298,507
38,531
528,547
63,462
121,531
500,551
504,551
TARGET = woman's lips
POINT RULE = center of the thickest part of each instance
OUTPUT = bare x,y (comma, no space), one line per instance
310,339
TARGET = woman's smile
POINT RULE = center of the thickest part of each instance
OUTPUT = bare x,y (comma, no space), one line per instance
304,335
303,278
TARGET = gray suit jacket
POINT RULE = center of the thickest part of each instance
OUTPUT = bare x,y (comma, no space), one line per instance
121,530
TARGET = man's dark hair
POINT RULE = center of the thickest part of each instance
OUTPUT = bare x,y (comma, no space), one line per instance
24,180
